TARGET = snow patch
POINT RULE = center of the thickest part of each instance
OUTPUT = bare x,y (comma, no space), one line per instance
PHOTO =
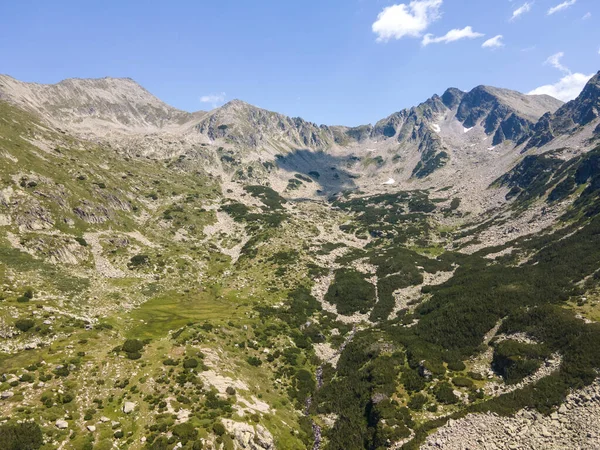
436,128
390,181
466,130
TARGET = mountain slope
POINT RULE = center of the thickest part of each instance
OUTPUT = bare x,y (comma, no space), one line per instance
94,105
190,281
577,113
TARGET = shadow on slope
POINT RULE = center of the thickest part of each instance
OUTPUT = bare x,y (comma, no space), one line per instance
328,172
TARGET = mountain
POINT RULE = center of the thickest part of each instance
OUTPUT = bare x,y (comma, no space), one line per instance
98,106
94,105
571,117
246,125
505,114
241,279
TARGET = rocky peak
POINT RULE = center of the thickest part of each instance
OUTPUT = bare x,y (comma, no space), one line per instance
246,125
585,108
579,112
403,124
452,97
505,114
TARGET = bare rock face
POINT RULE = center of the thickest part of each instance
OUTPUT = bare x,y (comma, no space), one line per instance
452,97
250,437
584,110
505,114
252,127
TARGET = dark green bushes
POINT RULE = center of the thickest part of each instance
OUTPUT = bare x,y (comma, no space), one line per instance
445,394
350,292
462,382
269,197
20,436
24,325
138,261
132,348
254,361
417,402
303,386
515,360
185,432
190,363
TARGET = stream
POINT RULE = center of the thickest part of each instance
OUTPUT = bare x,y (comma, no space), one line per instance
319,376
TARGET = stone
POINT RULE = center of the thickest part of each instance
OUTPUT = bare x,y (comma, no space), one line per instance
6,394
104,419
128,407
91,428
61,424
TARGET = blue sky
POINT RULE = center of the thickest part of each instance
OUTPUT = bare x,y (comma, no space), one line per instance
329,61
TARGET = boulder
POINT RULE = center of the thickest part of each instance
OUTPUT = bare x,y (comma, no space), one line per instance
128,407
6,394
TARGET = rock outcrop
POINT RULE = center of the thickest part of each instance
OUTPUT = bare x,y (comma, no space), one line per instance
585,109
248,437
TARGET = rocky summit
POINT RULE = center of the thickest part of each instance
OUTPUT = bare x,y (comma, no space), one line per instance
240,279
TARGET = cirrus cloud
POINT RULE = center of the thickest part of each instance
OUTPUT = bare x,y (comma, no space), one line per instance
525,8
554,61
451,36
561,6
398,21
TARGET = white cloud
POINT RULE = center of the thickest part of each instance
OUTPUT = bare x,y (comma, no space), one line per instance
554,61
451,36
495,42
567,88
213,99
561,6
586,16
398,21
525,8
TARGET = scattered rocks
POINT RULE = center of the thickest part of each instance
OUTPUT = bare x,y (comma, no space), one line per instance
574,426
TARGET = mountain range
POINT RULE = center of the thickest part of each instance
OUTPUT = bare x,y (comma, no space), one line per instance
240,279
